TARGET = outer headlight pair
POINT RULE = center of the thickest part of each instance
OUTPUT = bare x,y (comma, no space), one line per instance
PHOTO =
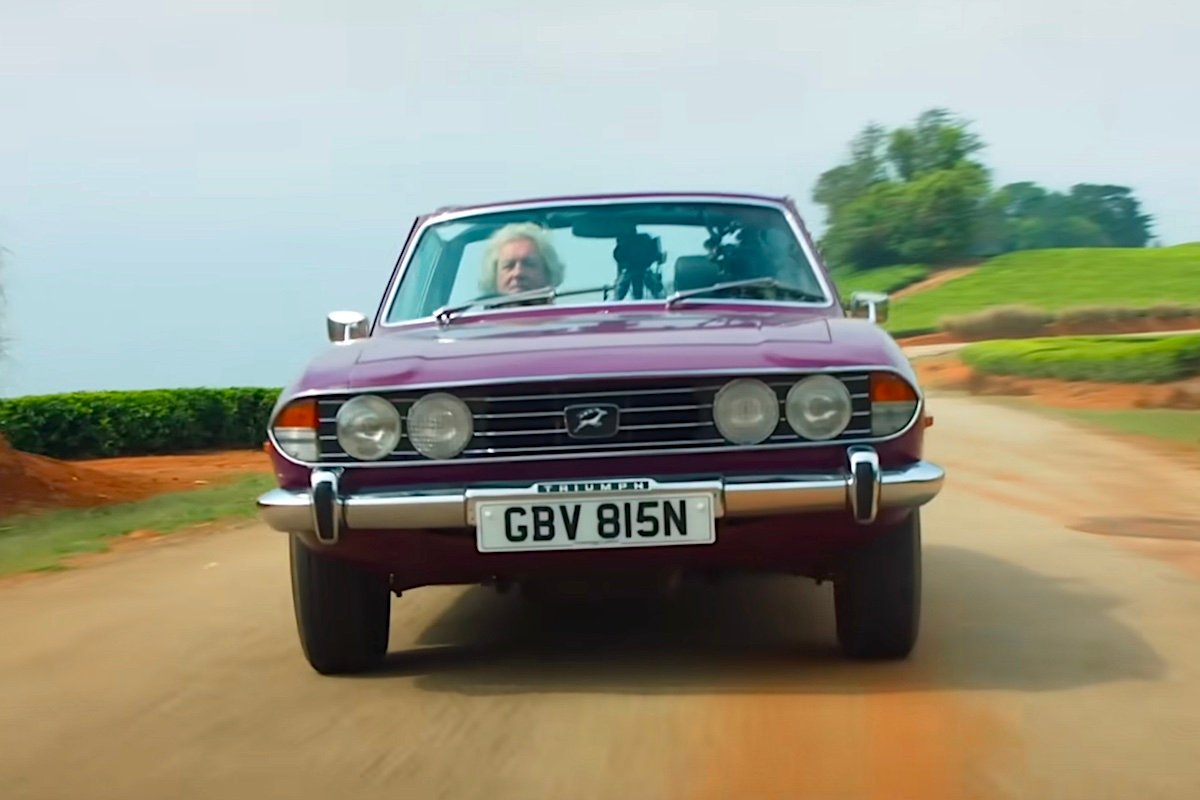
818,408
439,426
746,410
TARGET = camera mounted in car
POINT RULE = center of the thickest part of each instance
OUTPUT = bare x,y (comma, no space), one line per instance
636,254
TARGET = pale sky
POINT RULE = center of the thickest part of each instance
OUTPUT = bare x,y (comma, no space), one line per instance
187,188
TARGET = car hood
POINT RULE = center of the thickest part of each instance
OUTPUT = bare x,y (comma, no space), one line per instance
551,344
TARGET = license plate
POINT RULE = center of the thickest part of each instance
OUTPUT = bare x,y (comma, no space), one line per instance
570,524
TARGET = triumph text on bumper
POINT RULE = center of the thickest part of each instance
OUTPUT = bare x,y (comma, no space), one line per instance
862,489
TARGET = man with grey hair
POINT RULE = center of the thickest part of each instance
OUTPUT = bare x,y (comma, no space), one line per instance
520,257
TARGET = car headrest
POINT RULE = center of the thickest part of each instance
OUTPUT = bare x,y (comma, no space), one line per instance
694,272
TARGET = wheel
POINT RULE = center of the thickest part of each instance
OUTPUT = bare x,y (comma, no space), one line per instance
342,612
877,599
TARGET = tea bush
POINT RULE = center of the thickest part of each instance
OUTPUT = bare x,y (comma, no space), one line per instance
134,423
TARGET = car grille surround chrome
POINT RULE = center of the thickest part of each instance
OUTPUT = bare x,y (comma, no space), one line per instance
592,417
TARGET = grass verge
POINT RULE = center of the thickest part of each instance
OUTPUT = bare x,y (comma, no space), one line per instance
42,541
1110,359
1054,280
1159,423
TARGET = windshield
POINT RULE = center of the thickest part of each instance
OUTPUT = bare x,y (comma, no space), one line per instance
607,254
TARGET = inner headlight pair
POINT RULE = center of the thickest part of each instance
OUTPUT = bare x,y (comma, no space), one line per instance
746,410
439,426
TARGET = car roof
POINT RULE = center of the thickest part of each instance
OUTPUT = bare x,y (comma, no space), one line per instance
745,196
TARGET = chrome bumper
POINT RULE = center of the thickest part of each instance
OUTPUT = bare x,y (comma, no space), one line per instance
862,489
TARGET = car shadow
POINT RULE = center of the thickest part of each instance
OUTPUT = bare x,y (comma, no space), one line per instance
987,624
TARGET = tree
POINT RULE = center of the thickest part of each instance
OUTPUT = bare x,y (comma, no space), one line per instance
937,142
1089,216
866,229
943,212
842,185
1115,211
912,194
920,194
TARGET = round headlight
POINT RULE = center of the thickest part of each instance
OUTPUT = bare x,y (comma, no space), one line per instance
818,407
746,411
368,427
440,425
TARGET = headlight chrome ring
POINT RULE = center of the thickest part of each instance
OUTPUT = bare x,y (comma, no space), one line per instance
746,411
440,425
819,407
368,427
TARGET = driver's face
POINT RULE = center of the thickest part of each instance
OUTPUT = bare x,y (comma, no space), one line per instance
520,268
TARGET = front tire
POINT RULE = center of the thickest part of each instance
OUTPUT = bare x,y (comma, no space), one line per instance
342,613
877,598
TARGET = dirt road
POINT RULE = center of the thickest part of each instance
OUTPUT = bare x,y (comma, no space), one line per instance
1054,662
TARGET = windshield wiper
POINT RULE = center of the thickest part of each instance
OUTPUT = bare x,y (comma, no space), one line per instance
774,283
447,313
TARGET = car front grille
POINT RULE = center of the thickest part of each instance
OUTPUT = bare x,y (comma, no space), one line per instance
655,415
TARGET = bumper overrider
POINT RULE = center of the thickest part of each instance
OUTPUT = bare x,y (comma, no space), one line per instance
862,490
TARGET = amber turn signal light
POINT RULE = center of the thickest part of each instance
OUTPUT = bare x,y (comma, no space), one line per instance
887,387
300,414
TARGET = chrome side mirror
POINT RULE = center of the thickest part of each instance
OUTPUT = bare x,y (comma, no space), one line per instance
344,327
872,306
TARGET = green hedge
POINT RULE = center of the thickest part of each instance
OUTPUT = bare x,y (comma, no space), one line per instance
1148,359
133,423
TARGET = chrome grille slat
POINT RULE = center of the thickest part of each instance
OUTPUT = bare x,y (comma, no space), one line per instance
595,446
666,415
519,415
666,426
538,432
504,398
556,432
624,412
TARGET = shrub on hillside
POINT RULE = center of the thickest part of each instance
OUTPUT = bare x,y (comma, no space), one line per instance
146,422
1002,322
1023,322
1116,319
1100,358
1096,316
1173,312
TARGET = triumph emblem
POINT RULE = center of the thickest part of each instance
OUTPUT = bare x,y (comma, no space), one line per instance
593,421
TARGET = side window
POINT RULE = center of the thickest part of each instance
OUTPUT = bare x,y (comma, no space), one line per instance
412,300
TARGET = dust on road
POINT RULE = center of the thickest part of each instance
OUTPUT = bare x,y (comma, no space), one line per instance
1054,662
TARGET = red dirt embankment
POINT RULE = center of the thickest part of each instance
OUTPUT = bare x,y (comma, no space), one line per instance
948,372
31,483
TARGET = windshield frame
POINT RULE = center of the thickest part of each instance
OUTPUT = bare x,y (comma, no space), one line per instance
408,255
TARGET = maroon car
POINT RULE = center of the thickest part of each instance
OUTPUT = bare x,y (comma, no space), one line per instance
603,389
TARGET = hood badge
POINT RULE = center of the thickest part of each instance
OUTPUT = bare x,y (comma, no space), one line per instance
593,420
